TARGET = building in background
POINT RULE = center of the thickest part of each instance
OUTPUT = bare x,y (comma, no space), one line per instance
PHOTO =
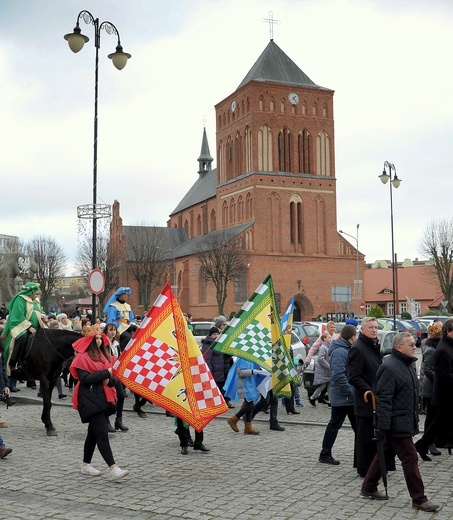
275,189
416,281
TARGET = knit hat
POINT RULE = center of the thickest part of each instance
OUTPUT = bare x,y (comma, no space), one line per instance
61,316
219,321
435,329
213,330
352,321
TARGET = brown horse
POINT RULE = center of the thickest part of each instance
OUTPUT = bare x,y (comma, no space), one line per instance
44,361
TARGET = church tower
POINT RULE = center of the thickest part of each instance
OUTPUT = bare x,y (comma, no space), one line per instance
275,147
274,189
205,159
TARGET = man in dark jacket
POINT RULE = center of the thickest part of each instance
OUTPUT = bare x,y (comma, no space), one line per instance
341,392
397,397
364,359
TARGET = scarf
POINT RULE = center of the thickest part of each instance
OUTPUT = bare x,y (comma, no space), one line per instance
84,362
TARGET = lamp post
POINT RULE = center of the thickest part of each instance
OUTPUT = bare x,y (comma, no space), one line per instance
76,40
394,183
357,281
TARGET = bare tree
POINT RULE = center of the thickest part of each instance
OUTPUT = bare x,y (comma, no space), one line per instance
437,244
107,261
148,258
51,262
223,259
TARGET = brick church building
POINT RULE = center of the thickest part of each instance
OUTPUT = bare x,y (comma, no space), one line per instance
274,187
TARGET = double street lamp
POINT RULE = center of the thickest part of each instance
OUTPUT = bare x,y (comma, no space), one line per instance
357,281
394,183
76,40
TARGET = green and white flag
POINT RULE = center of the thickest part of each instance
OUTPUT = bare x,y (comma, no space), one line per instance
255,334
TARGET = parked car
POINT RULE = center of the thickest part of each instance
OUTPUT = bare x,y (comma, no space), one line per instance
304,333
299,348
385,340
401,326
339,325
312,331
201,330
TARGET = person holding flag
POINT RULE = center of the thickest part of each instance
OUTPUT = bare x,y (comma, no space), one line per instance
242,382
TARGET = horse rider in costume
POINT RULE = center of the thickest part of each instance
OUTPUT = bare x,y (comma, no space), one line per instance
119,312
24,319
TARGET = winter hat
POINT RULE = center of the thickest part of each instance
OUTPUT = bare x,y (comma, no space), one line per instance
352,321
213,330
219,321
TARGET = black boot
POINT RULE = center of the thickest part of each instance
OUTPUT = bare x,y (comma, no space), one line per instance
422,451
110,427
119,425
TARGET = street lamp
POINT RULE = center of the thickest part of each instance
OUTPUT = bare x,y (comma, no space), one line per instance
76,40
357,281
394,183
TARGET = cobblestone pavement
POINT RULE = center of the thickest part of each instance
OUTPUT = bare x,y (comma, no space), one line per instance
272,476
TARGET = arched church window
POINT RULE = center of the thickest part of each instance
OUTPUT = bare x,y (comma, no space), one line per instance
323,153
232,211
304,153
284,150
265,149
240,286
225,213
296,221
248,207
248,150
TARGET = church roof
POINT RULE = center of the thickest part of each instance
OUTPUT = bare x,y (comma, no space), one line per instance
204,188
275,66
204,242
165,238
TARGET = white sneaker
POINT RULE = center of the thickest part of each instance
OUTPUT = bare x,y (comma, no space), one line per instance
117,473
88,469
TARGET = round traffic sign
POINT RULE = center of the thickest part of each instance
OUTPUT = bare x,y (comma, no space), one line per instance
96,281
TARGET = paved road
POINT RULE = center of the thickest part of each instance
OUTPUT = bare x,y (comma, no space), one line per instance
273,476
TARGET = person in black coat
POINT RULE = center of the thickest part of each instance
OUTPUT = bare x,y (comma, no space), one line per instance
442,397
432,421
364,359
397,396
95,398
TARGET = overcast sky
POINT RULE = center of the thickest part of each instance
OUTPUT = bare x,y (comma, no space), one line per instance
388,61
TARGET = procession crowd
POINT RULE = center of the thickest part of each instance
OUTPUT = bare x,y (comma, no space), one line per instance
379,395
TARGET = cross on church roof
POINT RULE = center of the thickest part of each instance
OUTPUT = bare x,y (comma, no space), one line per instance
271,22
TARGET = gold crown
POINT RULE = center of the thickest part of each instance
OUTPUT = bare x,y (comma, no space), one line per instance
92,329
